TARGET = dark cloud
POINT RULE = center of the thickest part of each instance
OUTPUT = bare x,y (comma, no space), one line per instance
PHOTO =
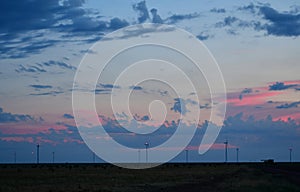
289,105
179,106
41,86
142,10
179,17
68,116
203,36
144,16
274,22
163,93
26,25
295,9
266,132
137,88
143,118
13,118
216,10
155,17
233,24
30,69
51,93
21,20
205,106
281,24
251,8
228,21
109,86
102,91
245,92
117,23
59,64
278,86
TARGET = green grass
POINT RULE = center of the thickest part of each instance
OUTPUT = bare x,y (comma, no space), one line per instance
168,177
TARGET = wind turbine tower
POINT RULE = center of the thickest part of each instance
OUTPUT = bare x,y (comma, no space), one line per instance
38,153
237,155
226,150
291,150
146,146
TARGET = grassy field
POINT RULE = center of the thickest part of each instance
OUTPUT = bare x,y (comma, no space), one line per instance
168,177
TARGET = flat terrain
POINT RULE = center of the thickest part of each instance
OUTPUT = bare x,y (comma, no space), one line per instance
168,177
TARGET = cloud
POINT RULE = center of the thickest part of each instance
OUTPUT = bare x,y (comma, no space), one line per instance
155,17
109,86
68,116
142,10
216,10
248,126
245,92
144,16
143,118
179,106
278,86
136,88
52,93
27,27
251,8
203,36
37,87
117,23
289,105
13,118
179,17
30,69
228,21
280,24
59,64
205,106
24,24
273,22
40,88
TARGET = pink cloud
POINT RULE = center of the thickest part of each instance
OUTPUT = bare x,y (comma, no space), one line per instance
252,99
18,139
295,116
23,129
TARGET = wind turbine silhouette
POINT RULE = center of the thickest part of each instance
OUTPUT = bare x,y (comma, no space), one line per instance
226,150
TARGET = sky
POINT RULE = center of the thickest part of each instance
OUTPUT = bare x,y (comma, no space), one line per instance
255,43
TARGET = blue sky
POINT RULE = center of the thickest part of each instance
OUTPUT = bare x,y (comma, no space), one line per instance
256,44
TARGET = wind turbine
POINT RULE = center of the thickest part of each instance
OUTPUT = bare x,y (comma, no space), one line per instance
94,157
38,153
226,150
146,146
15,157
290,149
139,156
237,155
53,156
186,155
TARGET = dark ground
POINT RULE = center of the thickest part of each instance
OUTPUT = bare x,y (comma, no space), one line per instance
168,177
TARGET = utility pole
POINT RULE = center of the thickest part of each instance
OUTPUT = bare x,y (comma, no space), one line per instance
237,155
146,146
38,153
226,150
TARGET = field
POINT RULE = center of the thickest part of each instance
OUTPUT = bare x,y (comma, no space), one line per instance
167,177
